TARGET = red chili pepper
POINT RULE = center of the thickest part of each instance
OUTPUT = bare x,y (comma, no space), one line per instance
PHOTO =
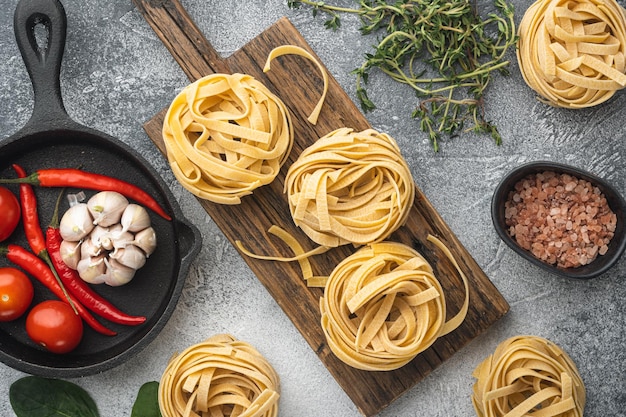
38,269
76,178
75,284
30,216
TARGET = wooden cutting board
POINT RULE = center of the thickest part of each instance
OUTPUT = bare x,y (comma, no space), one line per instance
298,83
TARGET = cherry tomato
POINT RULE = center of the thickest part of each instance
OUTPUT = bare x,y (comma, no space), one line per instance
10,209
54,325
16,293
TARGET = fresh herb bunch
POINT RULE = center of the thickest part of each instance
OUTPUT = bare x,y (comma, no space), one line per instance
444,51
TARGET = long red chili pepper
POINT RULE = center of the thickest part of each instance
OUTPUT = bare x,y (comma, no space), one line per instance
30,216
75,284
38,269
71,177
32,227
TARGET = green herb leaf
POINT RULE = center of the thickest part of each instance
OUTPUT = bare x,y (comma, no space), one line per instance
34,396
147,402
444,50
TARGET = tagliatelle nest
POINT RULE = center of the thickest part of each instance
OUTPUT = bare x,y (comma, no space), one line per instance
225,136
350,187
219,377
383,305
528,376
572,53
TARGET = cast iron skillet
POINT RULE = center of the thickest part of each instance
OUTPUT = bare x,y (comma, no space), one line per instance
51,139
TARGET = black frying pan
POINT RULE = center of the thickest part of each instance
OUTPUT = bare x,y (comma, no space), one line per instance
51,139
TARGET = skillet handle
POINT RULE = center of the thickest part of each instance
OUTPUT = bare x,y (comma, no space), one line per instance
43,60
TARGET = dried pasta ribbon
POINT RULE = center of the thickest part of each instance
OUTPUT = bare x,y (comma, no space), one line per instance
382,306
226,135
350,187
572,53
528,376
219,377
296,50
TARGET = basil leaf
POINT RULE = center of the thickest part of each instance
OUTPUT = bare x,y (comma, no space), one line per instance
34,396
147,402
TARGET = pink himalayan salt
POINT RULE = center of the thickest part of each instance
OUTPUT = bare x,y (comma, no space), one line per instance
562,220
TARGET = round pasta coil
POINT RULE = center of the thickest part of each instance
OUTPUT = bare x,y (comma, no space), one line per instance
219,377
350,187
383,305
572,53
226,135
528,375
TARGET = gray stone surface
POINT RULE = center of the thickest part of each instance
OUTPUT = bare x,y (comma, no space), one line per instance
116,75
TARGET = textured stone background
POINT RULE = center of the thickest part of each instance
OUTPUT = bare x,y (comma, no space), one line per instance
116,75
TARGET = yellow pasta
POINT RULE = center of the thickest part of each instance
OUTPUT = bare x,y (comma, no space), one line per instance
220,377
296,50
572,53
383,305
350,187
226,135
528,376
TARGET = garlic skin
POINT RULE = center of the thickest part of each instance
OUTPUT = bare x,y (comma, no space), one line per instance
106,207
134,218
70,253
76,223
146,240
117,274
130,256
93,269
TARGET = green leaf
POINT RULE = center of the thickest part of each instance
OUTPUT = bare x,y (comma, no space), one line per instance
147,402
34,396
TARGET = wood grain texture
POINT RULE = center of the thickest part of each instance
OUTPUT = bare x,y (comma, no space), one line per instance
298,83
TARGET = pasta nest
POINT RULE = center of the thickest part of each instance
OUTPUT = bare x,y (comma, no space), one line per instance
226,135
219,377
382,306
572,52
528,375
350,187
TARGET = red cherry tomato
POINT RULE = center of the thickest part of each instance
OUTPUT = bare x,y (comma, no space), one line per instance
10,209
16,293
54,325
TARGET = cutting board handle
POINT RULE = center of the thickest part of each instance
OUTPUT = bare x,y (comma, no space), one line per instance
178,32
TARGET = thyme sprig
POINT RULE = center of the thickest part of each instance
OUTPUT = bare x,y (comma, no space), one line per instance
445,51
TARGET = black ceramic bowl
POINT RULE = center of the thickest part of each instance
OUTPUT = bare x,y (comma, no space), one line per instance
616,202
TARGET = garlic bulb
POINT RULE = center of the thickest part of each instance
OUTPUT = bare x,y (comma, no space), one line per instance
106,207
146,240
70,253
134,218
76,223
107,239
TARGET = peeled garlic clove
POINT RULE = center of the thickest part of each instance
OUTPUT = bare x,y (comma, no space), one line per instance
130,256
76,223
70,253
107,207
146,240
135,218
118,274
93,269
